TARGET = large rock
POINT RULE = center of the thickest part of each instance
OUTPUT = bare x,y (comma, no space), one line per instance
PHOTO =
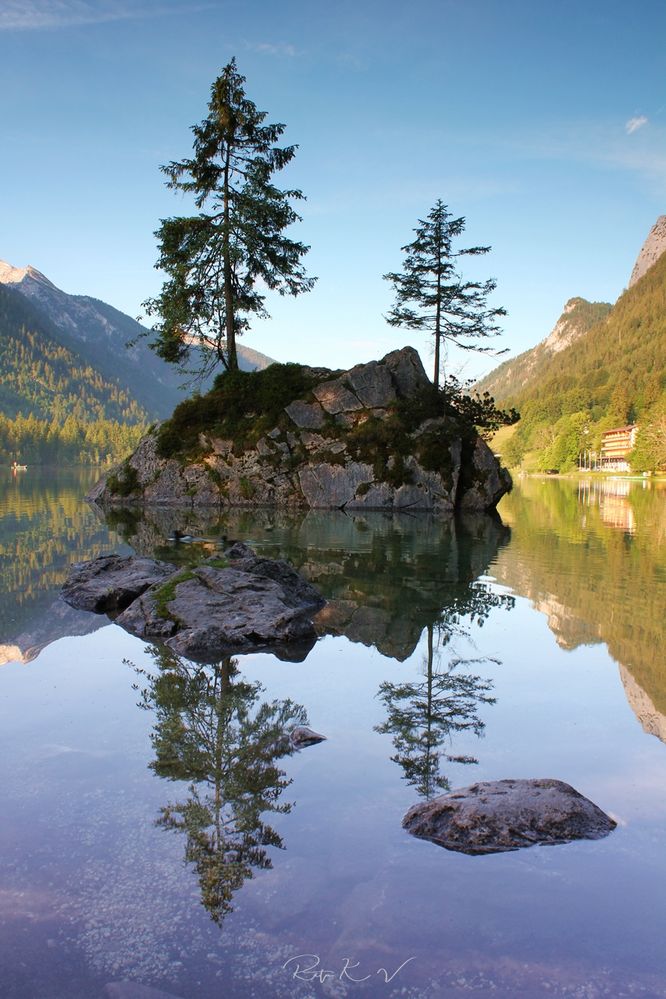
496,816
485,481
307,416
373,385
325,485
335,397
349,442
207,612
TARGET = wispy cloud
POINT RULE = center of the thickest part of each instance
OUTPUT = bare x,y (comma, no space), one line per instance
598,144
635,123
284,49
31,15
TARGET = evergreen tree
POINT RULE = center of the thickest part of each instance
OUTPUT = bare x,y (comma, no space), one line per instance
216,261
431,295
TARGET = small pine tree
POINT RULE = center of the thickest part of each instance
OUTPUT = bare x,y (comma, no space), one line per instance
216,260
432,296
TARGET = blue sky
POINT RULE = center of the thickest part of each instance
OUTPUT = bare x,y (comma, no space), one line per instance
543,123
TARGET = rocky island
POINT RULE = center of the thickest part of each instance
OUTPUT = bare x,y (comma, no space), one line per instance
377,436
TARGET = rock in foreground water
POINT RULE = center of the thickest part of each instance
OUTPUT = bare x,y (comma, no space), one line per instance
111,582
495,816
213,610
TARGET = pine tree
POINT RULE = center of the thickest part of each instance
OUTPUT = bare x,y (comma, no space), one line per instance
216,261
431,295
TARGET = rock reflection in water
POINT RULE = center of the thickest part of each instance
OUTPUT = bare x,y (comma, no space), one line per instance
44,527
213,730
386,577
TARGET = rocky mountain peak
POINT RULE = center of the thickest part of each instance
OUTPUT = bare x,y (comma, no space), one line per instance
17,275
568,327
652,249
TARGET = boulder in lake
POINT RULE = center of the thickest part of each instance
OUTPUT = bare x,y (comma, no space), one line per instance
112,582
496,816
212,610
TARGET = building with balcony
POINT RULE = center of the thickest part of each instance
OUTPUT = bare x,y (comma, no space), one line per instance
616,445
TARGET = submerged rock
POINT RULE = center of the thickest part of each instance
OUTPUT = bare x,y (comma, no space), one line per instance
203,613
495,816
133,990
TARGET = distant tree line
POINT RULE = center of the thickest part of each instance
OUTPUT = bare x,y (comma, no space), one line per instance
29,440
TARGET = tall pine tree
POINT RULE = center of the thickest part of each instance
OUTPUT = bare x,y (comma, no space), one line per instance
431,295
219,263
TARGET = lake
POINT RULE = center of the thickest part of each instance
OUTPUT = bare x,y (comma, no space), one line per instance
156,831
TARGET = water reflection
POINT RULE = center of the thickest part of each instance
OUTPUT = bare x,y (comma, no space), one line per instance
611,496
213,730
423,715
44,527
592,558
385,577
117,898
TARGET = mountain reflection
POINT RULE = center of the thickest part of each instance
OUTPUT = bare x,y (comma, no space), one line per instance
592,557
44,527
213,731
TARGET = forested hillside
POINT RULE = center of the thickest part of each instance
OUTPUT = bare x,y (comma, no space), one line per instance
515,375
612,375
53,405
98,335
42,378
71,390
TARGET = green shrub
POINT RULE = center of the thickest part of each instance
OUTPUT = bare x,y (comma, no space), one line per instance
247,488
124,482
242,405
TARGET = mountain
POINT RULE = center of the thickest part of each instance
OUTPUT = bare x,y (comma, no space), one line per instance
45,380
513,376
96,334
600,367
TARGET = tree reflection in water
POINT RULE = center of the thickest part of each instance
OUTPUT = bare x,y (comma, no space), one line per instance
423,715
213,730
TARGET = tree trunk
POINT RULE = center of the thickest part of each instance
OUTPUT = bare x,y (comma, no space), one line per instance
230,326
438,313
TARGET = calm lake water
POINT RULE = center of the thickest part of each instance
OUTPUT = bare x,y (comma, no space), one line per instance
155,832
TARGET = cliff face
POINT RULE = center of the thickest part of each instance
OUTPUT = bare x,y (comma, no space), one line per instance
515,375
652,249
345,444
